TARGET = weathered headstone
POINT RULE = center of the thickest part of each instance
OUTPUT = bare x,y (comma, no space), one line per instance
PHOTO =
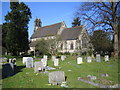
56,62
79,60
24,59
63,57
53,58
98,58
38,66
106,58
29,62
89,59
44,61
7,70
56,77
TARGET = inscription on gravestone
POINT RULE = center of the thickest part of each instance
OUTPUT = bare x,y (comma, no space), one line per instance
106,58
98,58
89,59
56,77
38,66
29,62
79,60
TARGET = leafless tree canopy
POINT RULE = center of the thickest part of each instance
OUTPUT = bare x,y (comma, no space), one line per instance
102,14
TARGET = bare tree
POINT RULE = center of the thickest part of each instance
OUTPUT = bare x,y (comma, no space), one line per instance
102,15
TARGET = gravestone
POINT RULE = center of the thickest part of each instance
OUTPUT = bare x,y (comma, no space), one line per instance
24,59
29,62
56,77
10,60
56,62
44,61
79,60
98,58
53,58
63,57
7,70
89,59
38,66
106,58
45,57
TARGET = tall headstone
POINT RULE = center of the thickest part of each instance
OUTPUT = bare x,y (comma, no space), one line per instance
63,57
56,62
38,66
98,58
56,77
79,60
44,61
53,58
7,70
89,59
29,62
106,58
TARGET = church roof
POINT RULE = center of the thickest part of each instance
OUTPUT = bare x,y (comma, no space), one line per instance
47,30
71,33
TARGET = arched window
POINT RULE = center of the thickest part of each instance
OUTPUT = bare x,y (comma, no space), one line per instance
71,46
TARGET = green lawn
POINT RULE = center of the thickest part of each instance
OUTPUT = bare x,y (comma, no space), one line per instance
26,78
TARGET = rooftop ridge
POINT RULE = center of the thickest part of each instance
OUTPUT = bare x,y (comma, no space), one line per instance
74,27
51,25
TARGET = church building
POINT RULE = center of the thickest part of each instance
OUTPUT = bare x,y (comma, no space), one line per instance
72,40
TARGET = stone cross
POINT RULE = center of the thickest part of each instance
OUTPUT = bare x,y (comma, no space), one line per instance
106,58
89,59
29,62
56,62
79,60
38,66
56,77
98,58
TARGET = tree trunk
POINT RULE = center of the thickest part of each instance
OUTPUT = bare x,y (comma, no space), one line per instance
116,45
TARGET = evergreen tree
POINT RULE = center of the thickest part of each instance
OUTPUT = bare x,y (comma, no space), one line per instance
76,22
101,42
16,38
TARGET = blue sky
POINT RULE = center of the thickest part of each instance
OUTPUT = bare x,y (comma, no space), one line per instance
48,12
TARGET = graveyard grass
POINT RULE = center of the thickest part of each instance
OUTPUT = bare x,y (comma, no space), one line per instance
26,78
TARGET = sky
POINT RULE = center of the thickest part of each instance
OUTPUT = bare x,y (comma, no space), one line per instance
48,12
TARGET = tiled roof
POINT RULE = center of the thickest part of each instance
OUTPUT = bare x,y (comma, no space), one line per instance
71,33
47,30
